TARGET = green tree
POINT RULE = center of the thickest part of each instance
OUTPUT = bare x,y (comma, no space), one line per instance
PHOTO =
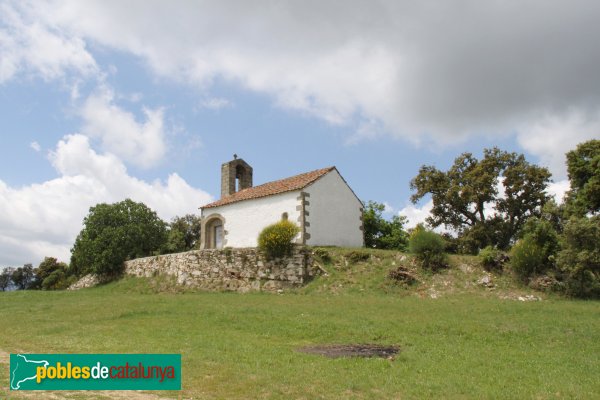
554,213
463,195
583,165
114,233
579,259
58,280
23,277
48,266
175,242
5,278
51,274
381,233
544,234
189,228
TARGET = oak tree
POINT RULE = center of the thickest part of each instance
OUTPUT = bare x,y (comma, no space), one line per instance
486,201
114,233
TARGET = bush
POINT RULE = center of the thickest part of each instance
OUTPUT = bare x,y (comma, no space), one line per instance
535,253
428,247
276,239
544,234
322,254
491,258
528,258
579,260
357,256
452,244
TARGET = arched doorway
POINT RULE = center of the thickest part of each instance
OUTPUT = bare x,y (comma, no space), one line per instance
214,232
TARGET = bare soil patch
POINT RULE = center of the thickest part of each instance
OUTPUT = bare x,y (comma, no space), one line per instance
352,350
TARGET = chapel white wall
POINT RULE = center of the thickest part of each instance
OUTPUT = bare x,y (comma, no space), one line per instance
244,220
334,213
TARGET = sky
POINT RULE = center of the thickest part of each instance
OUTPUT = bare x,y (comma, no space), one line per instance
106,100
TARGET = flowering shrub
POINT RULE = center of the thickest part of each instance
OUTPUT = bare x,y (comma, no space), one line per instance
276,239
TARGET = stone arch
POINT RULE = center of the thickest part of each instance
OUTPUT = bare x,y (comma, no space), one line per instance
213,233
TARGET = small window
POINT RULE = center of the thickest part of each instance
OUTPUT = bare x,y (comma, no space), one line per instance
284,216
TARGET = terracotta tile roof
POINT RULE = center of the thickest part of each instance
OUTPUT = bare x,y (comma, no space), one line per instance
270,188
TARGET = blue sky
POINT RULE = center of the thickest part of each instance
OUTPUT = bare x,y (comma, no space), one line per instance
101,101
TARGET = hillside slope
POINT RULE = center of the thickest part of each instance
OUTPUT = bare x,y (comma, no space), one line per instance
368,270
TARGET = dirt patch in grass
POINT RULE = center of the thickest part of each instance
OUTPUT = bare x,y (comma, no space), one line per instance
352,350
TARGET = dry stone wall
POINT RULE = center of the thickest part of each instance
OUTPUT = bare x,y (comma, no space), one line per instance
242,269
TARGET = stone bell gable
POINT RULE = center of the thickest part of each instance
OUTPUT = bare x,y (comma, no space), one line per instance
236,175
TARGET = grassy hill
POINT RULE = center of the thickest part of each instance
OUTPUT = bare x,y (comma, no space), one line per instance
459,339
367,271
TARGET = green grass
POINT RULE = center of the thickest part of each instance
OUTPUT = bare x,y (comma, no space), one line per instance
463,345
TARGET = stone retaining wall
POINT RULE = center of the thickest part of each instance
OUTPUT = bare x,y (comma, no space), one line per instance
228,269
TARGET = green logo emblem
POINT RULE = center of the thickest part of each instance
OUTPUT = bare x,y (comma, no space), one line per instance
95,372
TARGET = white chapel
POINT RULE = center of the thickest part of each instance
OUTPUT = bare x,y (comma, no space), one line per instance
320,202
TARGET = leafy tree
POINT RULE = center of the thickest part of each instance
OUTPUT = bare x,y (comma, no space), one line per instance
544,234
464,195
5,278
579,260
48,266
58,280
175,242
51,274
554,214
189,227
583,165
116,232
23,277
381,233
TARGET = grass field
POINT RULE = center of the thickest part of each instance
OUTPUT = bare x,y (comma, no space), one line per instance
464,345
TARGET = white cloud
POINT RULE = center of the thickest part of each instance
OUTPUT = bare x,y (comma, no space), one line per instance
35,146
558,190
28,44
139,143
416,215
414,70
43,219
387,208
553,135
215,103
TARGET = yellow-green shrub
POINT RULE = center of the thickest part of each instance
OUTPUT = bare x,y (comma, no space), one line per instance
428,247
276,239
